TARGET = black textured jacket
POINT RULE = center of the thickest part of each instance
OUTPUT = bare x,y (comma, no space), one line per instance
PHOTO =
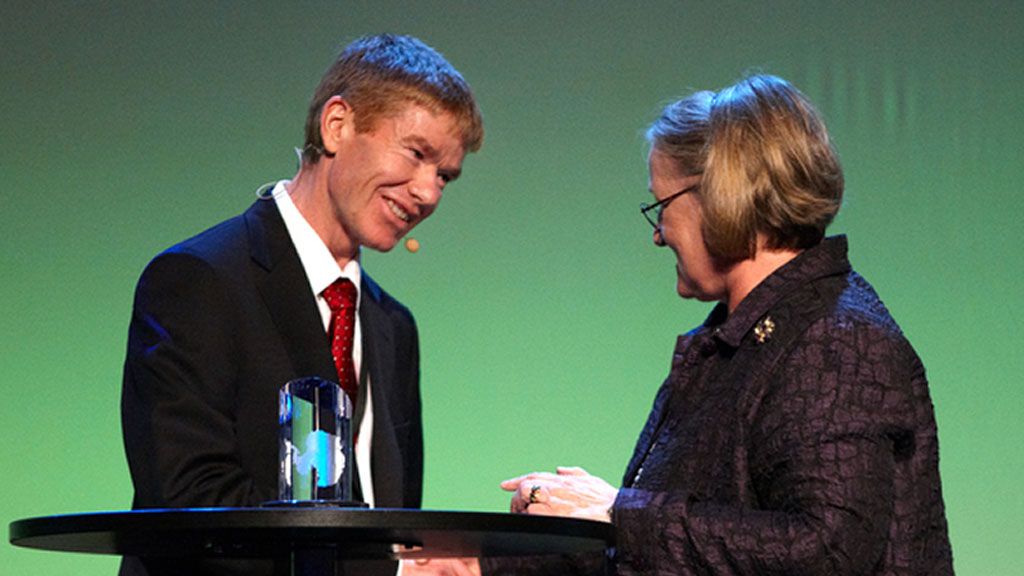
793,436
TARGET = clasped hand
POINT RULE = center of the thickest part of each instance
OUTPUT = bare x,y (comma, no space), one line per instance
571,492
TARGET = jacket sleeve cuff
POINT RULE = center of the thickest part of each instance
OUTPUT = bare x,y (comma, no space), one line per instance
639,519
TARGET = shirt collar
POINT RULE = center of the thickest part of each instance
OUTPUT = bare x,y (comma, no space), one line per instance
318,262
826,259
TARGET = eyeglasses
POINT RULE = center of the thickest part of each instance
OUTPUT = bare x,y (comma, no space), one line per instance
660,205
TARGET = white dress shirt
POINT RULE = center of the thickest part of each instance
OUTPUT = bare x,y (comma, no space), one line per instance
321,271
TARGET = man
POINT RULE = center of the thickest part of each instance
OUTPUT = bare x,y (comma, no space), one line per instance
222,320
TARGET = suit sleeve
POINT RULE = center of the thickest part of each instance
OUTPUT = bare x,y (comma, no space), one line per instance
178,390
821,453
405,411
413,456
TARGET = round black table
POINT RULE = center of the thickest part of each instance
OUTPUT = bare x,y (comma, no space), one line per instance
313,540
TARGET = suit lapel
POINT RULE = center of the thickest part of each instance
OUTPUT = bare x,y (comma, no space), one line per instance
286,293
378,351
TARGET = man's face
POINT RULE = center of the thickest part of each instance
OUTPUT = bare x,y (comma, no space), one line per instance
383,182
697,275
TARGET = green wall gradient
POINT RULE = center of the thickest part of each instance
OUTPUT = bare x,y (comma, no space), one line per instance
547,317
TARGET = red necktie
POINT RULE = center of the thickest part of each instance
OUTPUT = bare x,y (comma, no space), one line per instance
341,299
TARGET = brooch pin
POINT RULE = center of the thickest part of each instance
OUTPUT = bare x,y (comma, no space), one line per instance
764,329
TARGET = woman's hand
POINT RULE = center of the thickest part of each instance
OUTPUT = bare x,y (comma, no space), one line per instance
441,567
572,492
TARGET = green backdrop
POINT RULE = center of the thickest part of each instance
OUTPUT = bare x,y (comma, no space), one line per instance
547,317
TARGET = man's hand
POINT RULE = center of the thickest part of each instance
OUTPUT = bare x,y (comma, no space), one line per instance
572,492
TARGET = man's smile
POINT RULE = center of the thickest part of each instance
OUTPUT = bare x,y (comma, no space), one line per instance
398,211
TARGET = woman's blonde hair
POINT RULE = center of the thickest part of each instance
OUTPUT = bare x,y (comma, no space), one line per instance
768,166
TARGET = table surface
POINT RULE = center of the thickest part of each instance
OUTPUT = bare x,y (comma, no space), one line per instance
273,532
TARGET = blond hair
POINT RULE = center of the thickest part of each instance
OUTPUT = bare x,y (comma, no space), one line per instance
379,75
768,166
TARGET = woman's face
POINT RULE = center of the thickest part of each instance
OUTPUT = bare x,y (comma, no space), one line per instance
698,275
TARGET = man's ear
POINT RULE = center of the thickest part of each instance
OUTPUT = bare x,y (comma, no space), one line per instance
336,119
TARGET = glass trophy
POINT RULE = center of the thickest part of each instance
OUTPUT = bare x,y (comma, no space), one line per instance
315,445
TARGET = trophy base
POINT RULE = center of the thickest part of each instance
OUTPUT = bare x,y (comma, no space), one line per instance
315,504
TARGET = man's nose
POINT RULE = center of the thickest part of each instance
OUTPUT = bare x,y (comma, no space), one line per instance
426,188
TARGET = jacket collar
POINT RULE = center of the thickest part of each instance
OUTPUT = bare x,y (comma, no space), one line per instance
828,258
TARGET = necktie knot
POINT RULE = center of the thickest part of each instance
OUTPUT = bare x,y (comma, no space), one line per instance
340,295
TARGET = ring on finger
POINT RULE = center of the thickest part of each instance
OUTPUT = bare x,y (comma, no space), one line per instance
534,490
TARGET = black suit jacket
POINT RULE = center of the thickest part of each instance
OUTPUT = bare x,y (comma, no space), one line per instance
220,322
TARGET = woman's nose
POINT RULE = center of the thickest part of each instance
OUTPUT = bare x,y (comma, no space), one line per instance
658,239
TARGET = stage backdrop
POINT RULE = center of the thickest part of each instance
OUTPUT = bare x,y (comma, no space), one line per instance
547,316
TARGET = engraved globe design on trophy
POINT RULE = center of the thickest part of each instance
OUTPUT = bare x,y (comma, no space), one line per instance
314,444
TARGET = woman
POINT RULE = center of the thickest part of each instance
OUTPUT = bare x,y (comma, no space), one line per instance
794,433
